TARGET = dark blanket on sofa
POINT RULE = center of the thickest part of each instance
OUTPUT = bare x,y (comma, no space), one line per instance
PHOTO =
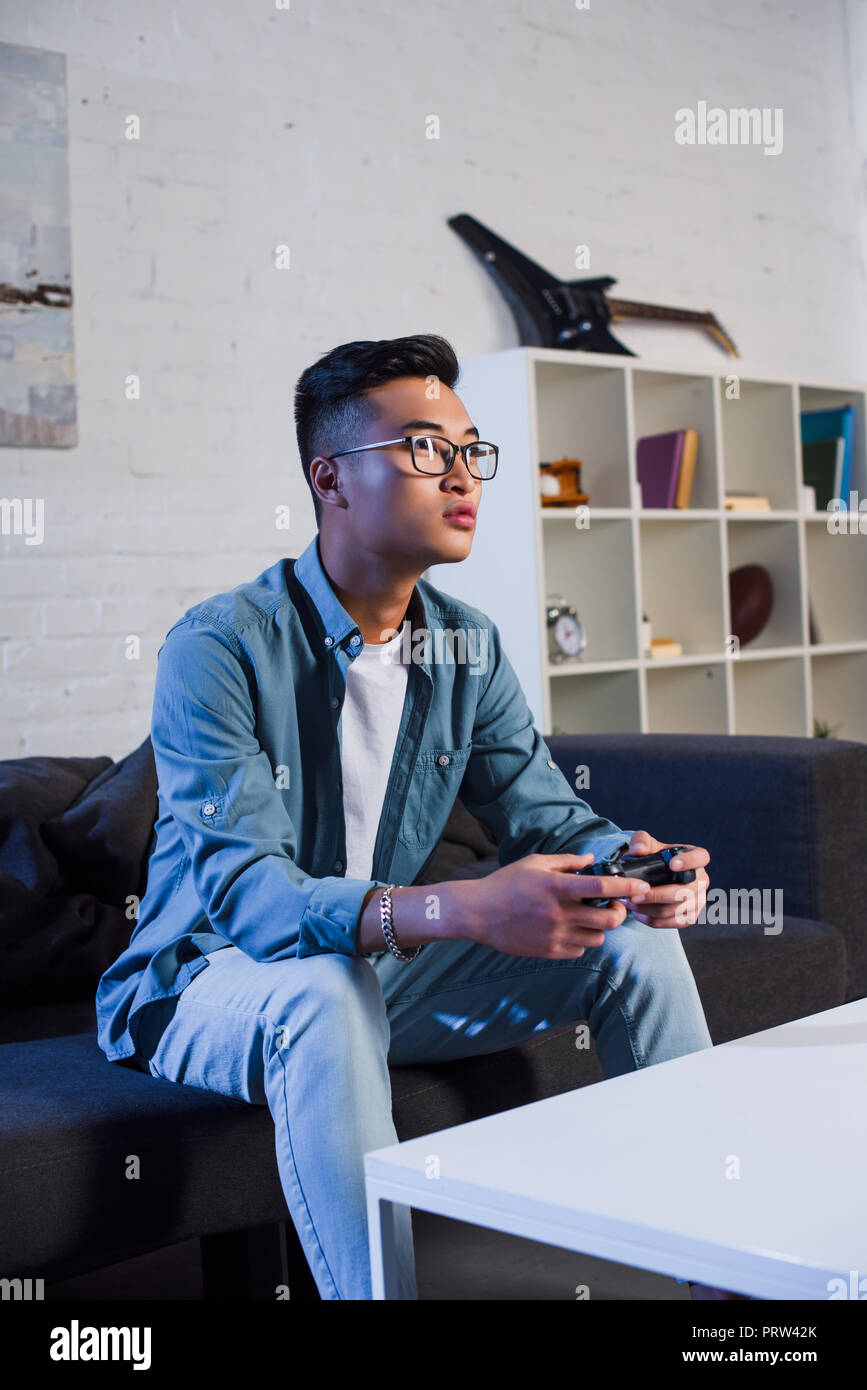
75,837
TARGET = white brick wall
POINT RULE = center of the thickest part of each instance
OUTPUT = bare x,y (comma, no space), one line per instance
306,126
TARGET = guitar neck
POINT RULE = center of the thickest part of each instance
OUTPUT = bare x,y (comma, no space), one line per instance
630,309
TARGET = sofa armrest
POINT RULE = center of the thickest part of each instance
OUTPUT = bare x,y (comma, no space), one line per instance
772,812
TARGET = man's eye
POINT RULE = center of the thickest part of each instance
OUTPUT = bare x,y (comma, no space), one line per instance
429,447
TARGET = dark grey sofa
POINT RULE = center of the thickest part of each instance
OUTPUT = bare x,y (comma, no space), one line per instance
773,812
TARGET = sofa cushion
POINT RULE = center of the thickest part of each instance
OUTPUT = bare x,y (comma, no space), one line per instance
74,841
72,1123
102,840
748,981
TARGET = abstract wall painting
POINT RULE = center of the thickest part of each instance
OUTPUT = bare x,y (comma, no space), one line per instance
37,364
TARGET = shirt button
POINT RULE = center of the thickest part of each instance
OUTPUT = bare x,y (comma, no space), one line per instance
338,866
443,759
552,765
335,703
210,809
329,641
354,641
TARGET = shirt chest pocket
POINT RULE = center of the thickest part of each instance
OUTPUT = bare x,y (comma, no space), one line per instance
435,784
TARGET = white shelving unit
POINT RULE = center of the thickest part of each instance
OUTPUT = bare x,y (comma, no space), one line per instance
541,404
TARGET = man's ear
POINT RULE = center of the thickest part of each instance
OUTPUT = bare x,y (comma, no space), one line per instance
328,478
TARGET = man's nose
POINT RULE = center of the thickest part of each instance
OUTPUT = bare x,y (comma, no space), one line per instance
459,467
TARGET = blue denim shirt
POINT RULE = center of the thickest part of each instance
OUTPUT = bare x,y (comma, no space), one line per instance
249,845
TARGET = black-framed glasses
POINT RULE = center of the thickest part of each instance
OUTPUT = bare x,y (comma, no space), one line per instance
432,453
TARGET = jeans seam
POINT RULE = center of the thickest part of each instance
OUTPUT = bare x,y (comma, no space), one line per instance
630,1027
298,1179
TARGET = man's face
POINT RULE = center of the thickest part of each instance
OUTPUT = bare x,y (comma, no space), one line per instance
393,509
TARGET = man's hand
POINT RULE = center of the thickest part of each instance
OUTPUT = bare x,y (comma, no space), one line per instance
535,906
671,904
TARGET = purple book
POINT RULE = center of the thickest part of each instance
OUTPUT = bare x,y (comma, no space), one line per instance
659,467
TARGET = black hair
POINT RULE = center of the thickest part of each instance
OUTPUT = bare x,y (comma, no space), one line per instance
331,405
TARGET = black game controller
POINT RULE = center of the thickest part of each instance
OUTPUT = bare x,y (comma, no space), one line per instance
651,868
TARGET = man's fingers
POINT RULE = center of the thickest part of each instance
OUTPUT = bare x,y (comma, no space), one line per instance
694,858
673,892
663,912
607,886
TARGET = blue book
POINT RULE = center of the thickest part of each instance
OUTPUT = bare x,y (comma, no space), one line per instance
838,422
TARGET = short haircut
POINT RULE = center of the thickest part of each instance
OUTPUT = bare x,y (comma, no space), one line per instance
331,405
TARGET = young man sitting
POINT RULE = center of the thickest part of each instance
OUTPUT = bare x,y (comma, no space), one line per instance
311,731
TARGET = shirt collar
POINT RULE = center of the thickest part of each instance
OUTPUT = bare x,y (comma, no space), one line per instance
338,626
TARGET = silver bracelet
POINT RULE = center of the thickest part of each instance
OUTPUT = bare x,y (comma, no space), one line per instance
387,927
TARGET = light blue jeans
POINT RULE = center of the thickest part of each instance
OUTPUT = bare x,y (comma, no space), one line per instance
313,1038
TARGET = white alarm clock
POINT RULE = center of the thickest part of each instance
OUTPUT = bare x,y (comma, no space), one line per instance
566,636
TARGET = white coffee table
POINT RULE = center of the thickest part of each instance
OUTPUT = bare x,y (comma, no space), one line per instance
634,1169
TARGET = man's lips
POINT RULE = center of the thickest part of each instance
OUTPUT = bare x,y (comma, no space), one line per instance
464,514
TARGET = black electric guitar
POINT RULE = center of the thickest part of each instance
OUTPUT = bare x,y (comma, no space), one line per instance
572,314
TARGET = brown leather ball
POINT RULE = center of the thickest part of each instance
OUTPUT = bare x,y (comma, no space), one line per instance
751,597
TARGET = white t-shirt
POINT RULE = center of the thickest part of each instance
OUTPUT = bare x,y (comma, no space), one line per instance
375,691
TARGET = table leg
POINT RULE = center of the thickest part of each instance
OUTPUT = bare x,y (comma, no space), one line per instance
385,1274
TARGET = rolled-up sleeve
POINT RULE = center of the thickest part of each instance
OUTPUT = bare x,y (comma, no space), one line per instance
218,784
514,786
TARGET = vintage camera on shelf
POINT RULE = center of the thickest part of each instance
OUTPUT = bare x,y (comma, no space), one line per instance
560,483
